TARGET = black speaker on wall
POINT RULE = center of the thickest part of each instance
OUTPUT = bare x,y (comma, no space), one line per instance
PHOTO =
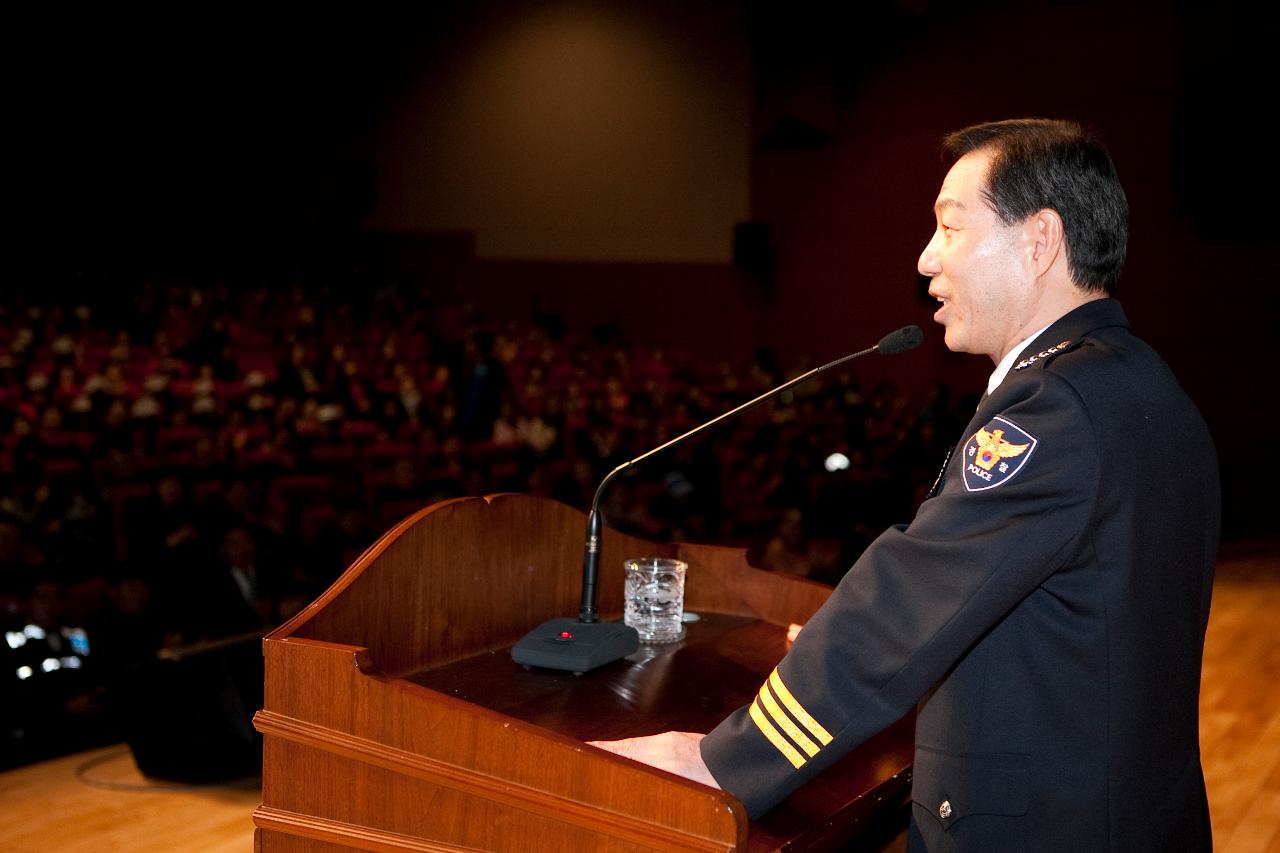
753,248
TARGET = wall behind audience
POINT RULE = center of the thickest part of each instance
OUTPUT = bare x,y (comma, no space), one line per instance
582,131
598,152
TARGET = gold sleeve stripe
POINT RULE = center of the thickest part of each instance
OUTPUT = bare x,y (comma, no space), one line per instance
793,731
775,737
796,709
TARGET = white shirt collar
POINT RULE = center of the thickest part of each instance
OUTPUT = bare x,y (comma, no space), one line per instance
1002,369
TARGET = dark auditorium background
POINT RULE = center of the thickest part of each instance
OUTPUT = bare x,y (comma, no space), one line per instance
674,203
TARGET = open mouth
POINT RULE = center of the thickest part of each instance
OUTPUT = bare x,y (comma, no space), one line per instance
942,307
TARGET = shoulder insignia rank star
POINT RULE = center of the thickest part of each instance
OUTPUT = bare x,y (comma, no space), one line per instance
1040,356
995,453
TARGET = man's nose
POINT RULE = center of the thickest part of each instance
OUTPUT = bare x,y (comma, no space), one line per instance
928,263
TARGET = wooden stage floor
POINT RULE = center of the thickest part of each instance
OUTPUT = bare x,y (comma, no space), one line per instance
98,801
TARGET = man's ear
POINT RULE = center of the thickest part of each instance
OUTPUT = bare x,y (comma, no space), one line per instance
1048,241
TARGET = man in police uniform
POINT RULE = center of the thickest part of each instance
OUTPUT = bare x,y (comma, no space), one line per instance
1046,607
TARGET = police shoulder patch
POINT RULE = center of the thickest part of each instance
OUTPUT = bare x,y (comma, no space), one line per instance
995,453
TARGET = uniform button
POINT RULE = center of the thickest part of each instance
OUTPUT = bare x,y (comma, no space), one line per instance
944,810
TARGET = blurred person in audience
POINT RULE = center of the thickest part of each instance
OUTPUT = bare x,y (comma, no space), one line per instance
165,531
337,546
21,561
481,384
785,551
233,592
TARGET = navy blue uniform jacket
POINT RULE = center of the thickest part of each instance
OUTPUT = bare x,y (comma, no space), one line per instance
1046,611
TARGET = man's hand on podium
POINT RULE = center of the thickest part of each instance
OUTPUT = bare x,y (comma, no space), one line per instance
675,752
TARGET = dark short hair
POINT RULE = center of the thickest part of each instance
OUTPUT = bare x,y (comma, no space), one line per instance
1044,163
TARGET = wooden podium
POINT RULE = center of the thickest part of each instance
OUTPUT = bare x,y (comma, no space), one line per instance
394,718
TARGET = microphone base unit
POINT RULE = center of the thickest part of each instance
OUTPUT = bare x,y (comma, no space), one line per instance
573,646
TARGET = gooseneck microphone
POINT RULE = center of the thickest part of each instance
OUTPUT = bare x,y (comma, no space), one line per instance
577,646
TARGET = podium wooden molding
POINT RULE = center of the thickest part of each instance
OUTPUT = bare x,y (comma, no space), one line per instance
395,720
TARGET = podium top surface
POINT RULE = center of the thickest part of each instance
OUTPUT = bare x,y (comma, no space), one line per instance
690,685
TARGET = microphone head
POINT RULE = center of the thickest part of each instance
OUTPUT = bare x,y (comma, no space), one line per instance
908,337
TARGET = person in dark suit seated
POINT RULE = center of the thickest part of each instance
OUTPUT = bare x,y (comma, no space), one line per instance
1046,608
231,593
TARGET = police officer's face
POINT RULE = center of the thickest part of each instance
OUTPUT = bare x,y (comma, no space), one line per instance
977,265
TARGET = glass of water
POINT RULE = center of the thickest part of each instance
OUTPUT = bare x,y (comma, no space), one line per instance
654,598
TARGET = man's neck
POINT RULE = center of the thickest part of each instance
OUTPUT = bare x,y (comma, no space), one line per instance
1005,363
1048,311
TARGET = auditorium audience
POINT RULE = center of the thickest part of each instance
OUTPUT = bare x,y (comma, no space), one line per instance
210,459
